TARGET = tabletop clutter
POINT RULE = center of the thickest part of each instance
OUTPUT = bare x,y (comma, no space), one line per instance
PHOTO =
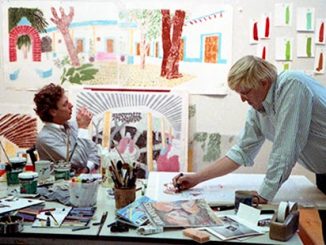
55,182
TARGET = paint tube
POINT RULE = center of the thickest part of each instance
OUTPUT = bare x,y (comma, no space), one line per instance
149,229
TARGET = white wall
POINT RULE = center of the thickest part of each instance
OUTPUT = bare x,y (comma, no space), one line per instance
223,114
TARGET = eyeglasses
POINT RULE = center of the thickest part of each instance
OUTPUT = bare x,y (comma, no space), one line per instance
245,92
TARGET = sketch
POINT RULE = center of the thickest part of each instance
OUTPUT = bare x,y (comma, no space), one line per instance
165,45
263,51
305,45
283,14
145,127
284,48
319,66
320,31
253,31
306,19
265,26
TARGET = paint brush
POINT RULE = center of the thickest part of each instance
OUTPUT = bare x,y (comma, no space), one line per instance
103,218
118,151
50,214
47,153
3,149
67,153
73,151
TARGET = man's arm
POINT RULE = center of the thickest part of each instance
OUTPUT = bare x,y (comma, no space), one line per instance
221,167
85,146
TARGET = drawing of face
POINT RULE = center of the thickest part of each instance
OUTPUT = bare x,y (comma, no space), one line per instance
178,217
190,207
163,206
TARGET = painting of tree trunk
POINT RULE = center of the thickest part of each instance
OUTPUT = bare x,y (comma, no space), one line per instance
63,25
171,55
166,41
148,22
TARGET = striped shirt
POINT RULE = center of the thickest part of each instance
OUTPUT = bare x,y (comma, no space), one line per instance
295,121
51,144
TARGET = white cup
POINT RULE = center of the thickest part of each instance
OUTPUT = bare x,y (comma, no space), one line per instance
44,168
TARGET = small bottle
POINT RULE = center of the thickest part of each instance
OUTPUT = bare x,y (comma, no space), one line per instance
48,221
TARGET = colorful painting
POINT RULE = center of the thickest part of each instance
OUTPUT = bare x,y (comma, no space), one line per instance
142,127
17,133
283,14
164,45
306,19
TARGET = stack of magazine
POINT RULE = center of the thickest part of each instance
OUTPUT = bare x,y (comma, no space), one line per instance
184,213
134,213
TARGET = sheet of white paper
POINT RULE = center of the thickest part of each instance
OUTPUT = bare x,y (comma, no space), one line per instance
220,191
14,203
250,214
59,214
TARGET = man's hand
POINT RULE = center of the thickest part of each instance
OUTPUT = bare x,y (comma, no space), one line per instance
83,171
184,181
84,117
261,200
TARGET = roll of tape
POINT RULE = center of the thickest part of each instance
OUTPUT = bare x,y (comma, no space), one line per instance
293,206
282,212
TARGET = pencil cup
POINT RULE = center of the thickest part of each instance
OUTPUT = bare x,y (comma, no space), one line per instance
124,196
44,168
245,197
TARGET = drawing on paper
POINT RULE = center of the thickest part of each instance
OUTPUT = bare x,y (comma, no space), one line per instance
149,128
168,46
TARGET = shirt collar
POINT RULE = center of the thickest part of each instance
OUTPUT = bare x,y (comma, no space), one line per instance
54,125
268,103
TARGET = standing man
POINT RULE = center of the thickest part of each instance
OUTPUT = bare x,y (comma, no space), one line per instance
288,109
60,139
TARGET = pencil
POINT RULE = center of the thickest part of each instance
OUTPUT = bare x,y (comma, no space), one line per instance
80,228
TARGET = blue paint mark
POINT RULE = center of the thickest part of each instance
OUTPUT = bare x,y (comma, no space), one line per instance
130,59
13,76
44,74
24,22
87,23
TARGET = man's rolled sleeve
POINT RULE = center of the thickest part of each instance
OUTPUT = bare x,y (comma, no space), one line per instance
90,165
237,155
83,133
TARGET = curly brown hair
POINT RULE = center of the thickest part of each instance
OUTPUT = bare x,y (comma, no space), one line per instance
47,99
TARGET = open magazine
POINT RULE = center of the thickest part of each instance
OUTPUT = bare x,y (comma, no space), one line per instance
134,213
231,229
183,213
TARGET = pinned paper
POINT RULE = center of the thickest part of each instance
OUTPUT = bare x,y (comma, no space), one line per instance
284,48
283,14
305,19
305,45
